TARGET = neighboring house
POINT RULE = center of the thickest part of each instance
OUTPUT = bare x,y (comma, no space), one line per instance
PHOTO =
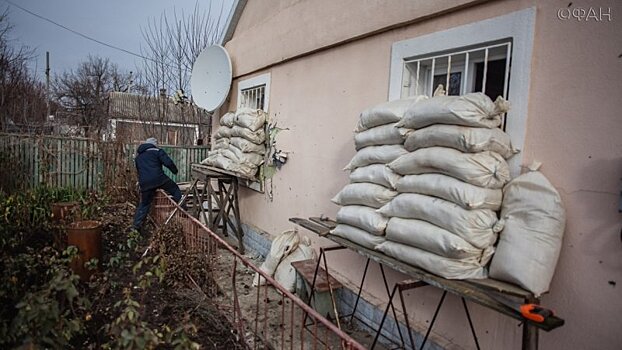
315,65
136,117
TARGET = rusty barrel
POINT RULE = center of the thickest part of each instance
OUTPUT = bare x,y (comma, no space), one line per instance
65,211
87,237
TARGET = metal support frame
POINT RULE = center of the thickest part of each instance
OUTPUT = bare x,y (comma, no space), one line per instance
225,196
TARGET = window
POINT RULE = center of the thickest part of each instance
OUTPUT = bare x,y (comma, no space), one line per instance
484,68
492,56
171,137
253,97
254,92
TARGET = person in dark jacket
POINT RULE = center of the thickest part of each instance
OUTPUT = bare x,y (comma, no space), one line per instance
149,161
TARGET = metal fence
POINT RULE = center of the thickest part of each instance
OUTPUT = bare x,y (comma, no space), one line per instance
27,161
276,318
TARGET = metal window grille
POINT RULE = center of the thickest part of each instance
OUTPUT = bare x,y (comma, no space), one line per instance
253,97
483,68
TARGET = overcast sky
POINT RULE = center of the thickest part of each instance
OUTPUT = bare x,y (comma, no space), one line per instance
115,22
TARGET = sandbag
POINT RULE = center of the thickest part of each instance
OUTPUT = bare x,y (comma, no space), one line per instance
257,137
249,118
249,158
385,113
216,159
375,155
378,174
247,146
285,273
429,237
446,187
380,135
221,143
485,169
367,194
357,236
438,265
362,217
282,245
474,109
477,226
228,119
530,244
463,138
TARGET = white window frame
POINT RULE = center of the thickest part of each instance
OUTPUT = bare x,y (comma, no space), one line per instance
517,26
255,82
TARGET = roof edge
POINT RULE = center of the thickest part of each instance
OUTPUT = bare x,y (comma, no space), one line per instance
232,20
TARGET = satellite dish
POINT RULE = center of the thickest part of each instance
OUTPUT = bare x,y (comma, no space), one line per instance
211,77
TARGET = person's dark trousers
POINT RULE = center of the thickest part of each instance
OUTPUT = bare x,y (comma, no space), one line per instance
146,197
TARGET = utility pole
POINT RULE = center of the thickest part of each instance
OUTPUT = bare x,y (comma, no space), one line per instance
47,80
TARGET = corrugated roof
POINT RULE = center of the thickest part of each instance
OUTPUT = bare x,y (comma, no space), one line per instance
142,107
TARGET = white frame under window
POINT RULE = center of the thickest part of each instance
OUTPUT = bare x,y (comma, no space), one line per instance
516,27
257,87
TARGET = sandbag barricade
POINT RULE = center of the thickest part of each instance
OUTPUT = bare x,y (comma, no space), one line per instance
378,142
239,143
443,218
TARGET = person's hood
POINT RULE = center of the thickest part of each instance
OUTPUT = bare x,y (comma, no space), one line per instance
145,146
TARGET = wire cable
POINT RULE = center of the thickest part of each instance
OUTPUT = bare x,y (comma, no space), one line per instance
86,36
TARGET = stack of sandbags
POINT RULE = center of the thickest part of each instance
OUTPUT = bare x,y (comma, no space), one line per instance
239,142
531,240
378,142
444,217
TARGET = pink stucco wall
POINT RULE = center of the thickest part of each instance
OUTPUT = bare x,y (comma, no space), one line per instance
574,128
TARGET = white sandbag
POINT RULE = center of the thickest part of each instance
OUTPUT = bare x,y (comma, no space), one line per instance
228,119
250,118
438,265
375,155
367,194
380,135
285,273
474,109
485,169
424,235
257,137
365,218
463,138
216,159
249,158
385,113
477,226
228,153
247,146
530,243
221,143
282,245
357,236
446,187
378,174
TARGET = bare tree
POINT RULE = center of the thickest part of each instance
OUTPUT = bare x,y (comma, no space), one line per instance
22,97
173,43
84,93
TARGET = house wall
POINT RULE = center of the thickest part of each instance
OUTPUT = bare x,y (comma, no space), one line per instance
573,128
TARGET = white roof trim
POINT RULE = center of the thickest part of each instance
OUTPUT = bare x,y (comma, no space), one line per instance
232,20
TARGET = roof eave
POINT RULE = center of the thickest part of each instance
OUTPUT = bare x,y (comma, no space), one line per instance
232,20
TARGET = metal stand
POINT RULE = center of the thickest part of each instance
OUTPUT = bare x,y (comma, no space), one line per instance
486,292
222,190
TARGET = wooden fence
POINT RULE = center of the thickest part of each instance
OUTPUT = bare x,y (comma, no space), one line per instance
27,161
